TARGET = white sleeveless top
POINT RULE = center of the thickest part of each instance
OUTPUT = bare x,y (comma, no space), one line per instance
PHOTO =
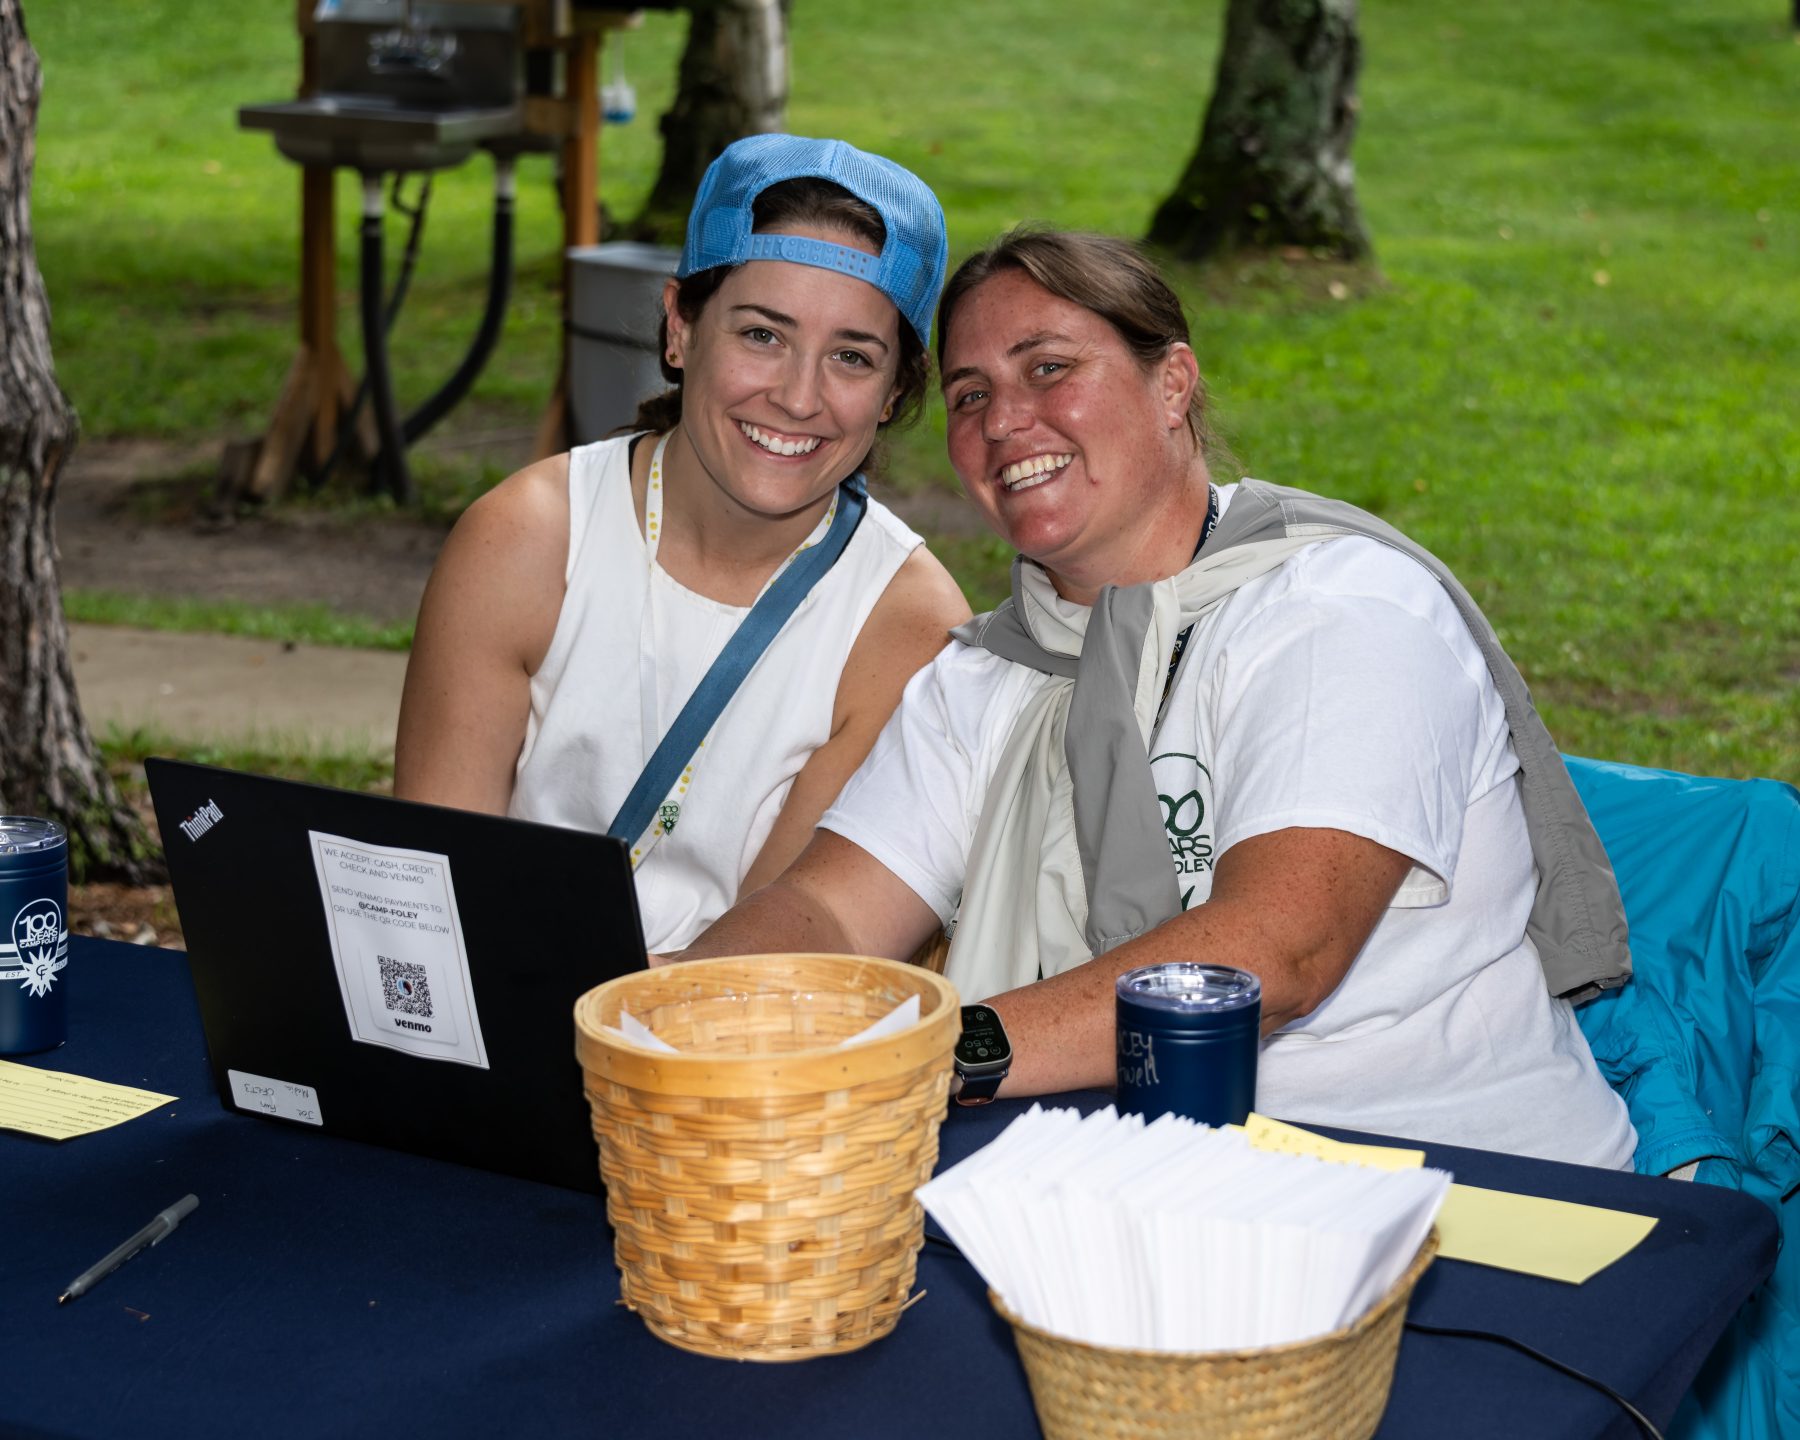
593,726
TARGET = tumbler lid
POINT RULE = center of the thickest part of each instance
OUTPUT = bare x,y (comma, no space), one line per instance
1188,988
26,834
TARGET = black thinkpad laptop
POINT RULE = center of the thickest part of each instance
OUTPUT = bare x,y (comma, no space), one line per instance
397,973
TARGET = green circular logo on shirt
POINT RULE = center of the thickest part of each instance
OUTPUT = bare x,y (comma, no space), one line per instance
1184,790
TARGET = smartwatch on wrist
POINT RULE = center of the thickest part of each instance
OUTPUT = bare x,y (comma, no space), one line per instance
983,1055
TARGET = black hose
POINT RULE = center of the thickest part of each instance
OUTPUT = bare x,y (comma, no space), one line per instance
415,230
390,464
403,282
499,291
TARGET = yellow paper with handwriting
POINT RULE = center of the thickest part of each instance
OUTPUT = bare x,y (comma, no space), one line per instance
1556,1239
1267,1134
58,1106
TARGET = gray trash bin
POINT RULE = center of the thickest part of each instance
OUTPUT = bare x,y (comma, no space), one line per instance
615,306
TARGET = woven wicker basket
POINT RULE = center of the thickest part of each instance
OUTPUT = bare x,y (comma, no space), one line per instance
760,1184
1335,1385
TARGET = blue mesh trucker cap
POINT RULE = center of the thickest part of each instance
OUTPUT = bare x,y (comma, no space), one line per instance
910,268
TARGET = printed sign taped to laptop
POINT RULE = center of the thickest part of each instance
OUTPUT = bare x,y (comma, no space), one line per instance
402,966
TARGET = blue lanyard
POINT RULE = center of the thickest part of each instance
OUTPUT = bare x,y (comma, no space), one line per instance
735,661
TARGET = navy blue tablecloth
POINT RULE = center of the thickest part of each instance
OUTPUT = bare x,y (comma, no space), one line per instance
330,1288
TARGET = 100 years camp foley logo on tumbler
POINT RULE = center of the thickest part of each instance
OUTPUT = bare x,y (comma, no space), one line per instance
34,934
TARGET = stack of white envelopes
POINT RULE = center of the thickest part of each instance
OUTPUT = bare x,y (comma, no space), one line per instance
1173,1236
902,1017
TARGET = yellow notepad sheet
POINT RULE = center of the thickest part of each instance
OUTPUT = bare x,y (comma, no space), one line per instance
58,1106
1556,1239
1553,1238
1267,1134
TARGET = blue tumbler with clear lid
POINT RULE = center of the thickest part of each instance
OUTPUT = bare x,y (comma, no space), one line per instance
1188,1036
34,934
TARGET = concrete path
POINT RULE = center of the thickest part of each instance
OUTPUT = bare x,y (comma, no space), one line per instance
227,688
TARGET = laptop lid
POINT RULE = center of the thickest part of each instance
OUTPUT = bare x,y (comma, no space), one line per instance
393,972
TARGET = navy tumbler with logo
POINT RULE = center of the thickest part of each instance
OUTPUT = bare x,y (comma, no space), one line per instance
1188,1039
34,934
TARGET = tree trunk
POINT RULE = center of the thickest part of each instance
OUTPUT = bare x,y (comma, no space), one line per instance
48,764
733,82
1273,164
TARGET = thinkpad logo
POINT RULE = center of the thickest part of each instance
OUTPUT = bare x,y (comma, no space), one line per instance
202,820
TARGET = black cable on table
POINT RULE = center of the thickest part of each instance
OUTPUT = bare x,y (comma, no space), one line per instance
1636,1414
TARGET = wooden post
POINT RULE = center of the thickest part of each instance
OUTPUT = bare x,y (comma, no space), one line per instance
318,381
318,301
581,212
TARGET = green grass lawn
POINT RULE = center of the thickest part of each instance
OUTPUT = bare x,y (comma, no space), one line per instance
307,624
1573,375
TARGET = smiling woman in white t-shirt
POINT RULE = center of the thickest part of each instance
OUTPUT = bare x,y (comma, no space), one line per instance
1338,787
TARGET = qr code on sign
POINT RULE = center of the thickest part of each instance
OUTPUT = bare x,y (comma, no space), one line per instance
405,988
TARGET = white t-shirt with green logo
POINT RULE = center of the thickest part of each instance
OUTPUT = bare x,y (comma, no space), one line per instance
1339,691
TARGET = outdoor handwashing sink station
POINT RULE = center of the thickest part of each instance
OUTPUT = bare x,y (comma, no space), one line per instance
372,133
402,87
406,87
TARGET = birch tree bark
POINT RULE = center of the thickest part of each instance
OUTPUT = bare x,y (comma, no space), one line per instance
733,82
1273,163
48,764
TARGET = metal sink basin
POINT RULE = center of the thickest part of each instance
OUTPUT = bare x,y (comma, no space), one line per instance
374,133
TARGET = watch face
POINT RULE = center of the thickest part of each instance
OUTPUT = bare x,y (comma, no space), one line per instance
983,1043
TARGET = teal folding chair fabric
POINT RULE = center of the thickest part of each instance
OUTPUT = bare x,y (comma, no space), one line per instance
1704,1043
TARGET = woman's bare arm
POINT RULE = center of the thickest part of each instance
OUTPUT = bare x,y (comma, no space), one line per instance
835,899
1293,907
486,621
909,625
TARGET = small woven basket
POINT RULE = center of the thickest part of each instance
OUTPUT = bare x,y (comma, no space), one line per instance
1334,1385
760,1184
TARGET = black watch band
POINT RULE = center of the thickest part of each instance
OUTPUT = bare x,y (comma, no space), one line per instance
979,1089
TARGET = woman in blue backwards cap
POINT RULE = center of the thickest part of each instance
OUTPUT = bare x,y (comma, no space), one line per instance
577,607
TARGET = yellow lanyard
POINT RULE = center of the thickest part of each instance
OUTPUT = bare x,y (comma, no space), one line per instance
668,815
